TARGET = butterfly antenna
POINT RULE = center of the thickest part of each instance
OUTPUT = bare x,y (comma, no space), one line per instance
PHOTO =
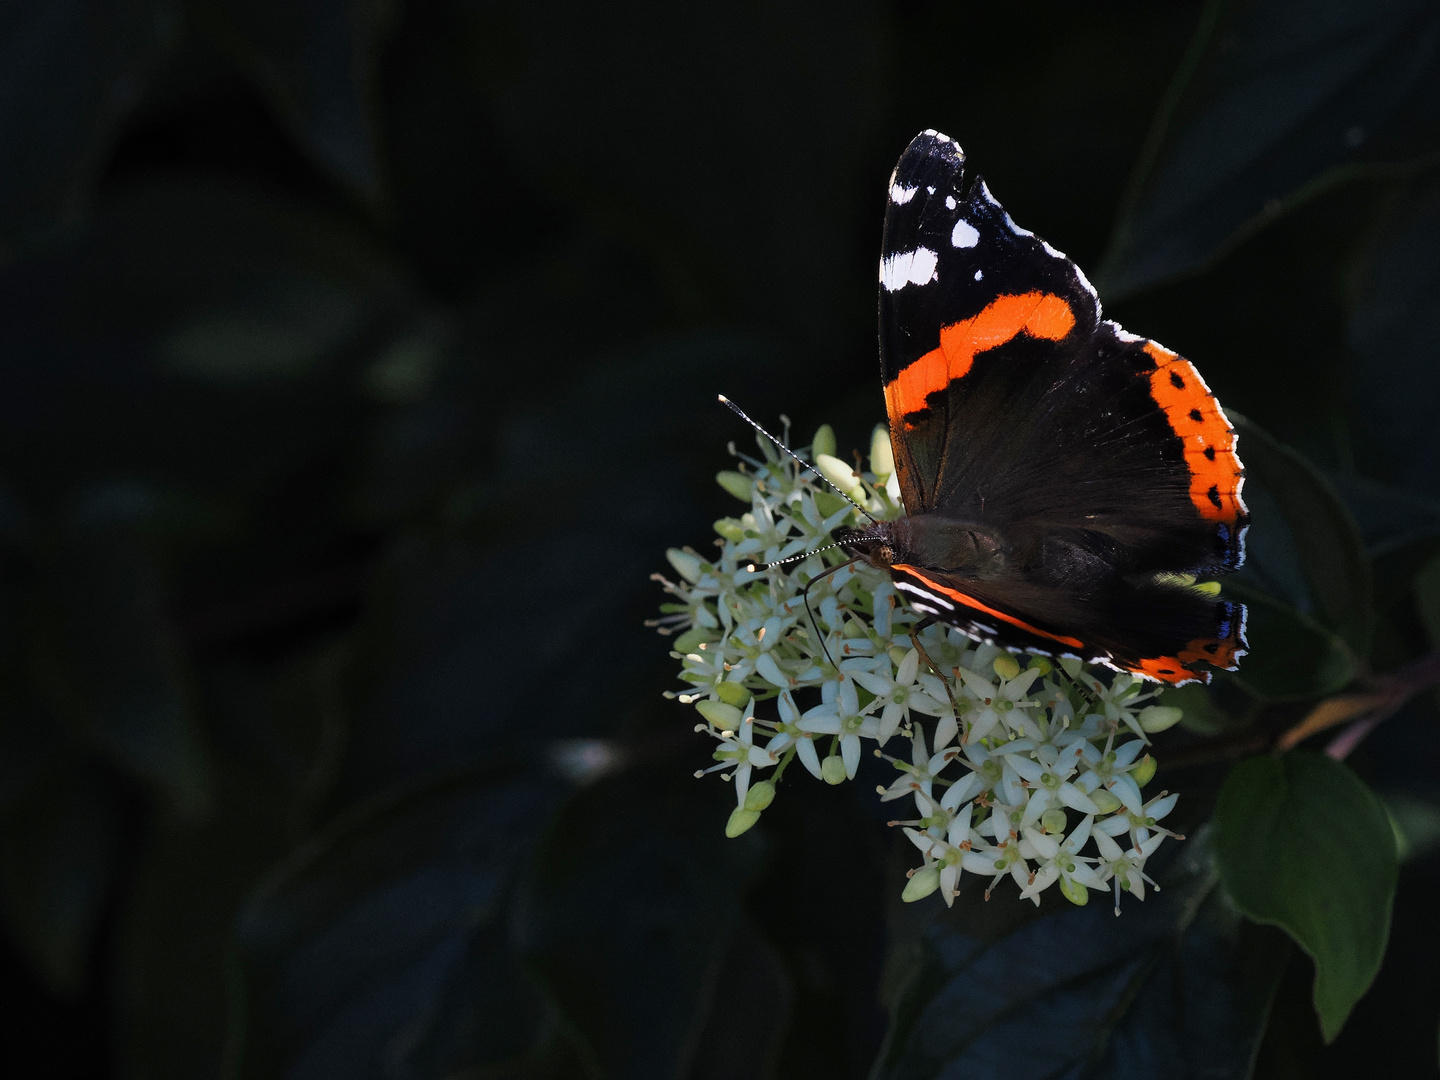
785,449
795,558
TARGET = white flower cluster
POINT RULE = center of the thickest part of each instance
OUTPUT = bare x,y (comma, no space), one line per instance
1015,772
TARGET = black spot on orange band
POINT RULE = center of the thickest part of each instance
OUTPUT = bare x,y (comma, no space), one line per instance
1221,652
1195,416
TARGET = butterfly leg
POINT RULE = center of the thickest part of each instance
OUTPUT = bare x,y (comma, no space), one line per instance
1085,692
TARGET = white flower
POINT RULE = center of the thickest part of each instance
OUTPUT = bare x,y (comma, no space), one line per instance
737,748
779,655
1140,825
1126,869
953,845
1062,863
997,702
897,694
1108,770
842,718
1050,785
919,775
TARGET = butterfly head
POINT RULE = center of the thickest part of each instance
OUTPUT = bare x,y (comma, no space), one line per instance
875,543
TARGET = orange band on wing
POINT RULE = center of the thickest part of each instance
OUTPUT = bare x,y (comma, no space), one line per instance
1040,315
1168,669
1176,669
1195,416
971,602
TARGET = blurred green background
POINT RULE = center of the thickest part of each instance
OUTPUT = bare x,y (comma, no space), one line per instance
359,364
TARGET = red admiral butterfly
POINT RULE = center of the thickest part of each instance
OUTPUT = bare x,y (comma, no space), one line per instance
1063,479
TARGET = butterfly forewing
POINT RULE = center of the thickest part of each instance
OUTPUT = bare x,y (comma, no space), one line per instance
1098,459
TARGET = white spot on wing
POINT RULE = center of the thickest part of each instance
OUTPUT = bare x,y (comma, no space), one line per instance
964,235
949,202
979,274
901,195
908,268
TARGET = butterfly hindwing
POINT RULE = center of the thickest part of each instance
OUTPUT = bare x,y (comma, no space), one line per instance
1148,629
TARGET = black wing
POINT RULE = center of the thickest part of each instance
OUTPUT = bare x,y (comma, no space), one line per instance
1014,404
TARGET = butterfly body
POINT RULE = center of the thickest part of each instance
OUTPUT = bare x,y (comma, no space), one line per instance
1064,480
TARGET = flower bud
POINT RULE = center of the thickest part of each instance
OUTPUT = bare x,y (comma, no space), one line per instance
760,796
924,881
1053,821
730,529
1154,718
732,693
1006,666
692,639
832,769
1143,771
1073,891
723,716
686,564
824,441
1106,802
736,483
838,473
741,821
882,457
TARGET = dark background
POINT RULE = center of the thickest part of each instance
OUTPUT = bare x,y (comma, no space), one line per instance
359,364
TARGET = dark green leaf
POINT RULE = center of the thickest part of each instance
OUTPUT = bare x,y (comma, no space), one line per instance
60,847
1427,600
1304,845
1394,335
1171,988
176,929
386,943
1276,100
134,352
1224,706
1323,542
1389,517
1291,655
704,230
1401,530
315,60
635,900
108,661
1416,822
73,71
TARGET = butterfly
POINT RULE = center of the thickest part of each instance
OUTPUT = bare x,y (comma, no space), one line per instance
1064,481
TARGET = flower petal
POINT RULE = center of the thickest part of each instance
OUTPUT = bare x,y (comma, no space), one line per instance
1076,799
805,749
